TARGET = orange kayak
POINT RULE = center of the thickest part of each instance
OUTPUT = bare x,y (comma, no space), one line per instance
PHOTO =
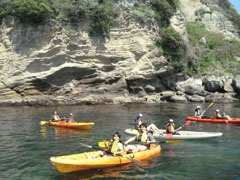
77,125
214,120
80,162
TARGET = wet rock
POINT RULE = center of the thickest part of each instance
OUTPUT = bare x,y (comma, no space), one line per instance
236,84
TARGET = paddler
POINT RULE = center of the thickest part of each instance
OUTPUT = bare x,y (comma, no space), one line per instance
138,121
170,127
151,128
71,118
144,139
55,117
114,148
217,114
198,112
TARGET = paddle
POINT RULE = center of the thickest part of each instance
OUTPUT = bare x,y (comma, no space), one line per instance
91,147
169,135
103,143
210,105
175,141
43,123
97,148
187,123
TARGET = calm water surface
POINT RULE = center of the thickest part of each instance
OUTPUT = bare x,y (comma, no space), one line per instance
25,146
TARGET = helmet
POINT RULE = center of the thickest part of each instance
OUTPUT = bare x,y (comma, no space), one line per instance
198,107
139,115
170,120
217,110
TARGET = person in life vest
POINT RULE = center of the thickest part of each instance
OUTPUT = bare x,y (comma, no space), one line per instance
151,128
71,118
114,148
144,139
55,117
198,112
170,127
217,114
225,116
138,121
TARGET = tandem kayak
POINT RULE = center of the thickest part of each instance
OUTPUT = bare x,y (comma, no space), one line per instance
80,162
214,120
182,135
75,125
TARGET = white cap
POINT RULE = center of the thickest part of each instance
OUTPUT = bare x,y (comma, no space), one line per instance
171,120
139,115
217,110
198,107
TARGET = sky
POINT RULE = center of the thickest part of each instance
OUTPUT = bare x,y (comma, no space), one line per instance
236,4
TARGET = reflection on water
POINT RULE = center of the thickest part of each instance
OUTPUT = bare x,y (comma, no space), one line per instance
61,131
26,146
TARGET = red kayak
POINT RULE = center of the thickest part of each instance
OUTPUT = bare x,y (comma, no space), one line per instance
214,120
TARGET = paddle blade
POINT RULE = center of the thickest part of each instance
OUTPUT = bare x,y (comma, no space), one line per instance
86,145
210,105
103,144
91,147
187,123
174,141
43,123
133,160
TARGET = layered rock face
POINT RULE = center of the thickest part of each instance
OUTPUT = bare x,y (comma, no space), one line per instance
58,64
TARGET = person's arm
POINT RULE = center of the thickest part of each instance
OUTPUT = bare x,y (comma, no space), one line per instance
169,129
196,114
178,129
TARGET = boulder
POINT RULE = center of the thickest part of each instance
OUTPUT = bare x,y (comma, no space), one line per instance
236,84
195,98
213,84
228,86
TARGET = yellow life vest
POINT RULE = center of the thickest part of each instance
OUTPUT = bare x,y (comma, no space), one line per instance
139,123
198,113
113,146
172,127
217,115
56,117
142,137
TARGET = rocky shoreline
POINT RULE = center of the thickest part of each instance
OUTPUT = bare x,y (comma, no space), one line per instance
207,89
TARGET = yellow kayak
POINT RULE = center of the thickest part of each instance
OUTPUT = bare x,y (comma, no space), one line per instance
75,125
80,162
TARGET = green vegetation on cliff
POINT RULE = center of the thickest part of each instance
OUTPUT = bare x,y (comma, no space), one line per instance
100,13
164,10
173,47
32,11
217,54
